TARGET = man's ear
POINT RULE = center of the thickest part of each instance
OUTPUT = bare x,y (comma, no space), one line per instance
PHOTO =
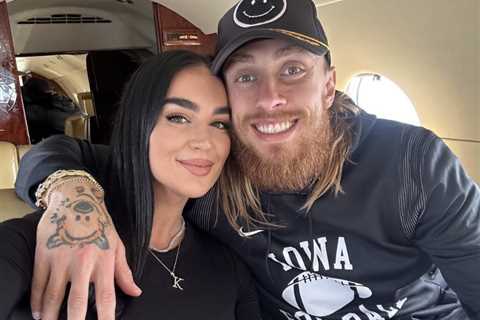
330,83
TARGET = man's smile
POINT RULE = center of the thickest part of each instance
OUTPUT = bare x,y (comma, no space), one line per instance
274,131
274,127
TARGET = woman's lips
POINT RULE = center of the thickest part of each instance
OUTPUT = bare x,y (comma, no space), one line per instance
197,167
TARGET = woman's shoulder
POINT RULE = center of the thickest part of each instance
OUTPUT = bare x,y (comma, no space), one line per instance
216,251
206,240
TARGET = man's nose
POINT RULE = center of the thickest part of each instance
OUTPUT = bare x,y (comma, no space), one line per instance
269,96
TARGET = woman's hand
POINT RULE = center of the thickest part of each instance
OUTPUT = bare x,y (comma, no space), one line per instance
77,242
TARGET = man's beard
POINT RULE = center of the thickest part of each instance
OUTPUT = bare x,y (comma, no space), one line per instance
286,168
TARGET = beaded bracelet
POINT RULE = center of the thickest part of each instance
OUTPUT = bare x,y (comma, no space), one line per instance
58,178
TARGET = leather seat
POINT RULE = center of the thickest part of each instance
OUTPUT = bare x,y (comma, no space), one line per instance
11,206
22,149
8,165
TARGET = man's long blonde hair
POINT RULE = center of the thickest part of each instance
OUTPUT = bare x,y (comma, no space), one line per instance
240,199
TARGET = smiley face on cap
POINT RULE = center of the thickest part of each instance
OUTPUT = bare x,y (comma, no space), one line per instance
250,13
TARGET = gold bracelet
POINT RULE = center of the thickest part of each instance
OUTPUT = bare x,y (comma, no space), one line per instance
70,179
43,189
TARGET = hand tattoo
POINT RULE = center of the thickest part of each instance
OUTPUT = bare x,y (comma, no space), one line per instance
80,222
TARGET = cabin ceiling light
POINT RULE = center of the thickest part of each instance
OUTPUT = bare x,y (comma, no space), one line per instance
125,1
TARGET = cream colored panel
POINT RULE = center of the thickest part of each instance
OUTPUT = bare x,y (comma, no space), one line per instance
68,71
429,48
8,165
46,38
22,149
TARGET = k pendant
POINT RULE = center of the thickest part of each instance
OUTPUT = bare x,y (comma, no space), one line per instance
176,282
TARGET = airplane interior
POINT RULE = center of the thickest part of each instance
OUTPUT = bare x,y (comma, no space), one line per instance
411,61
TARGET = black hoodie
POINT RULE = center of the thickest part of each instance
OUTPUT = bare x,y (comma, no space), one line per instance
407,207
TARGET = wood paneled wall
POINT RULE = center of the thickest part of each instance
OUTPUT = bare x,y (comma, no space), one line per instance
174,32
13,126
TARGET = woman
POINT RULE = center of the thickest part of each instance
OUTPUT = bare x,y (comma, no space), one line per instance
170,144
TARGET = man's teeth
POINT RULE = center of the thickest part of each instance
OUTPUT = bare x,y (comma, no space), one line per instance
272,128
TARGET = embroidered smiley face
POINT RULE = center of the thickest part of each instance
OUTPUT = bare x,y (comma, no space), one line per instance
250,13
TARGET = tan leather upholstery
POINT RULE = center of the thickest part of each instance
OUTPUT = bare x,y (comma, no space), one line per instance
22,149
8,165
10,156
12,206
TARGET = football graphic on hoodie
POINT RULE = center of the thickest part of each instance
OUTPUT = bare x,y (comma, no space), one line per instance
322,296
257,12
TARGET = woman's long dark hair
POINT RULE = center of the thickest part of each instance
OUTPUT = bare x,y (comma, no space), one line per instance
132,204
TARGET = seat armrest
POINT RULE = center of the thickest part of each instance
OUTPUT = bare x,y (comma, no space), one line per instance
8,165
12,206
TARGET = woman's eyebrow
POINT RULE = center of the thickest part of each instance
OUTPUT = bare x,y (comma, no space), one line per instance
182,103
187,104
222,110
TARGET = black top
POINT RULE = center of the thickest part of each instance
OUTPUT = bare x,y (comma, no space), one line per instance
371,252
216,284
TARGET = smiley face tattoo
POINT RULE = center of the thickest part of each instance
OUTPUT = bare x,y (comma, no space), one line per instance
81,221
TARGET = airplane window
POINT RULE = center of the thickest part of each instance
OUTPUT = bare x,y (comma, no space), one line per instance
380,96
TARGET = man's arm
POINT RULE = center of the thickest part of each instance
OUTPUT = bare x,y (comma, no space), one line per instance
56,153
449,225
96,254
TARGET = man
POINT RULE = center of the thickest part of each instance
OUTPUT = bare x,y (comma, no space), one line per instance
367,208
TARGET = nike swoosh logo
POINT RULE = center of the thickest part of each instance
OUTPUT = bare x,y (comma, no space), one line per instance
244,234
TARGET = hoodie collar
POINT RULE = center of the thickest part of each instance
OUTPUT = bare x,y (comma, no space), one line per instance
362,124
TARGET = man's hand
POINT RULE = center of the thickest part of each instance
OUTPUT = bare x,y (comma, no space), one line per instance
77,242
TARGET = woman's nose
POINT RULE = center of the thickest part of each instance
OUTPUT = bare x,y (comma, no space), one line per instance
200,141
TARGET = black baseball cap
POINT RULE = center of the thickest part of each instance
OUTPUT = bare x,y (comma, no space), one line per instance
292,20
